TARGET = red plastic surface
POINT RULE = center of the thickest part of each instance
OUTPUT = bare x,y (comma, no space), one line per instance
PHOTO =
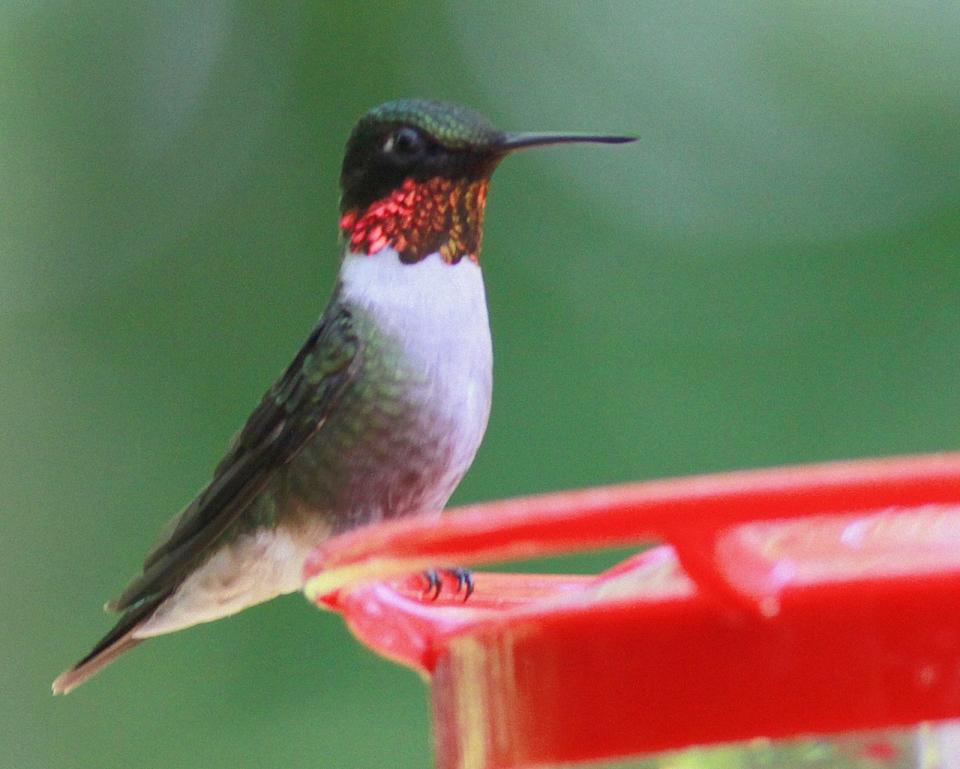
798,600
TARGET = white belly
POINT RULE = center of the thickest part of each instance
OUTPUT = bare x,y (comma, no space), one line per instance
257,567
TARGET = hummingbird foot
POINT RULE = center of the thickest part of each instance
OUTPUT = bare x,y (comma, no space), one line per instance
434,579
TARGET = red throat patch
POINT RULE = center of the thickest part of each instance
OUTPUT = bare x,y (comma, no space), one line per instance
419,218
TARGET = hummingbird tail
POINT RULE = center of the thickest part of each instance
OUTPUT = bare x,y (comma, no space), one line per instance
111,646
89,666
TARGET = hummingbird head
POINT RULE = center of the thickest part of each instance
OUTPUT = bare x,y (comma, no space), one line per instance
415,176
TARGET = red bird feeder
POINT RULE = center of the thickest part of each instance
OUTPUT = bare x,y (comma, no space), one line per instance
804,600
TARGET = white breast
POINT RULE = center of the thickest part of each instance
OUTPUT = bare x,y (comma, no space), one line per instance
438,312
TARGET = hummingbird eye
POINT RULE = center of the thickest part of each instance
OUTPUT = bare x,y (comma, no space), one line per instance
405,142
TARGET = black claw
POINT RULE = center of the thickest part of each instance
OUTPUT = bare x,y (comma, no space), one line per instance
434,584
464,579
434,580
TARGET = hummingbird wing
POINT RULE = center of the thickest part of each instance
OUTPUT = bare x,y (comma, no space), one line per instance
292,411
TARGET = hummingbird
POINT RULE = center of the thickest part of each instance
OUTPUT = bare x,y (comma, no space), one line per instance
382,410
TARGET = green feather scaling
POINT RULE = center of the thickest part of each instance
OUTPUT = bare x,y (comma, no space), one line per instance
453,124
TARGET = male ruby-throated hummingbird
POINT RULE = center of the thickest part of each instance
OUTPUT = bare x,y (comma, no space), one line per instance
380,413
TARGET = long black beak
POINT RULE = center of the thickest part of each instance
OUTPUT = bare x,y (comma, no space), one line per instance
512,142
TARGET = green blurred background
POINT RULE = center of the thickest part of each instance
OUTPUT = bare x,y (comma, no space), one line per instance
769,276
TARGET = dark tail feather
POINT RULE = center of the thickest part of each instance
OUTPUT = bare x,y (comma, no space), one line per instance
111,646
90,665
